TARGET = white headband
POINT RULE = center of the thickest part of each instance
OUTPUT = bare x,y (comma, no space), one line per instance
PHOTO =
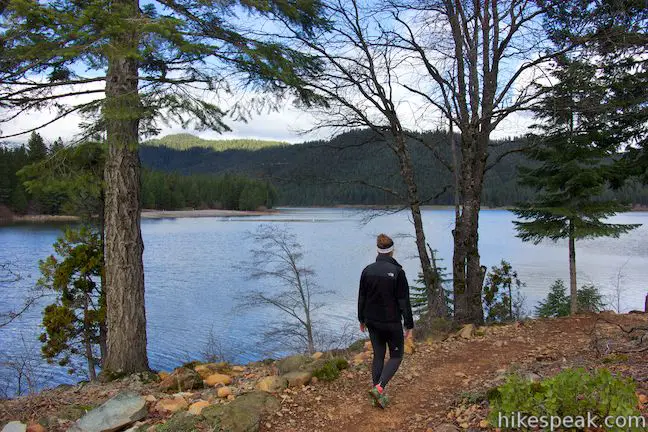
386,250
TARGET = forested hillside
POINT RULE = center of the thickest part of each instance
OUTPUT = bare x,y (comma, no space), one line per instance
351,168
186,141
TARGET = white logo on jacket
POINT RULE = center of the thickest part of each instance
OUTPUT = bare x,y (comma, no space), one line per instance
390,274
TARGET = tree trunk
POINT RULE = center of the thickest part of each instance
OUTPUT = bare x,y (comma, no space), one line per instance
126,320
573,290
436,307
468,273
103,332
87,339
646,304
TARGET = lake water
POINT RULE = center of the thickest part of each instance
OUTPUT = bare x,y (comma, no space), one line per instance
193,279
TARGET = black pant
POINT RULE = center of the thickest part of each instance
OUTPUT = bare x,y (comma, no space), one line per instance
383,335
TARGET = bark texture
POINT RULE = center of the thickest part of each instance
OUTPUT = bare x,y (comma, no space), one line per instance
573,288
126,318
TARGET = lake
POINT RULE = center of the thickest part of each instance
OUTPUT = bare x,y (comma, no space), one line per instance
194,280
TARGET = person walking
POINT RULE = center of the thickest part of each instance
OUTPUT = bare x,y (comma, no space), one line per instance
383,301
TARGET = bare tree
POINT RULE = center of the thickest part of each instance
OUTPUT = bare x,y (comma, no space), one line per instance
474,63
277,257
617,289
9,278
359,81
21,370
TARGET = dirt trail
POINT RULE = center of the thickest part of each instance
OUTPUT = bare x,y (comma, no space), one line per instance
434,378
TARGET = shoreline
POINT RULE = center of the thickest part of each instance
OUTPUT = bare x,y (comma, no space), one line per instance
181,214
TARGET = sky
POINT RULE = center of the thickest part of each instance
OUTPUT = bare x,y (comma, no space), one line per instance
289,124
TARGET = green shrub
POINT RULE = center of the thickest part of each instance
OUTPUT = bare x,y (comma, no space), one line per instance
573,392
502,297
357,345
331,369
557,303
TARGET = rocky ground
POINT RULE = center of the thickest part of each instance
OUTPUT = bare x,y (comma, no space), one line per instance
440,387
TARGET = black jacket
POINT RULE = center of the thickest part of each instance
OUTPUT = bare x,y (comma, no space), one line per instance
384,293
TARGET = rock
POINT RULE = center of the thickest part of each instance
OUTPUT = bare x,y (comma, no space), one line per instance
298,379
238,368
360,358
73,412
498,344
533,377
150,398
197,407
446,427
171,405
207,369
163,375
272,384
231,397
15,426
292,363
181,422
314,380
218,379
35,427
643,399
223,392
180,380
368,346
483,424
318,355
115,414
467,331
243,414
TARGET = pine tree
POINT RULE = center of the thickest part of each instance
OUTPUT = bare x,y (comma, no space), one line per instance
37,150
74,324
148,59
571,170
419,295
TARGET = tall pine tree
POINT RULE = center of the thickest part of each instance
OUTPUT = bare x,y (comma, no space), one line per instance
572,166
134,64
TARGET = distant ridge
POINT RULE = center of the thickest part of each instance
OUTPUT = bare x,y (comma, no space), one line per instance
185,141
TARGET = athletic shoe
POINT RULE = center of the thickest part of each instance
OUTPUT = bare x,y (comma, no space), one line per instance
383,401
378,399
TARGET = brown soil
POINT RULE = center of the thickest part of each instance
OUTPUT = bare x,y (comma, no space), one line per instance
438,376
438,384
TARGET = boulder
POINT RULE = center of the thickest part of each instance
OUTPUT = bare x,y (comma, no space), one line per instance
115,414
180,422
15,426
272,384
35,427
224,392
318,355
243,414
292,363
171,405
467,331
197,407
218,379
238,368
298,379
207,369
180,380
